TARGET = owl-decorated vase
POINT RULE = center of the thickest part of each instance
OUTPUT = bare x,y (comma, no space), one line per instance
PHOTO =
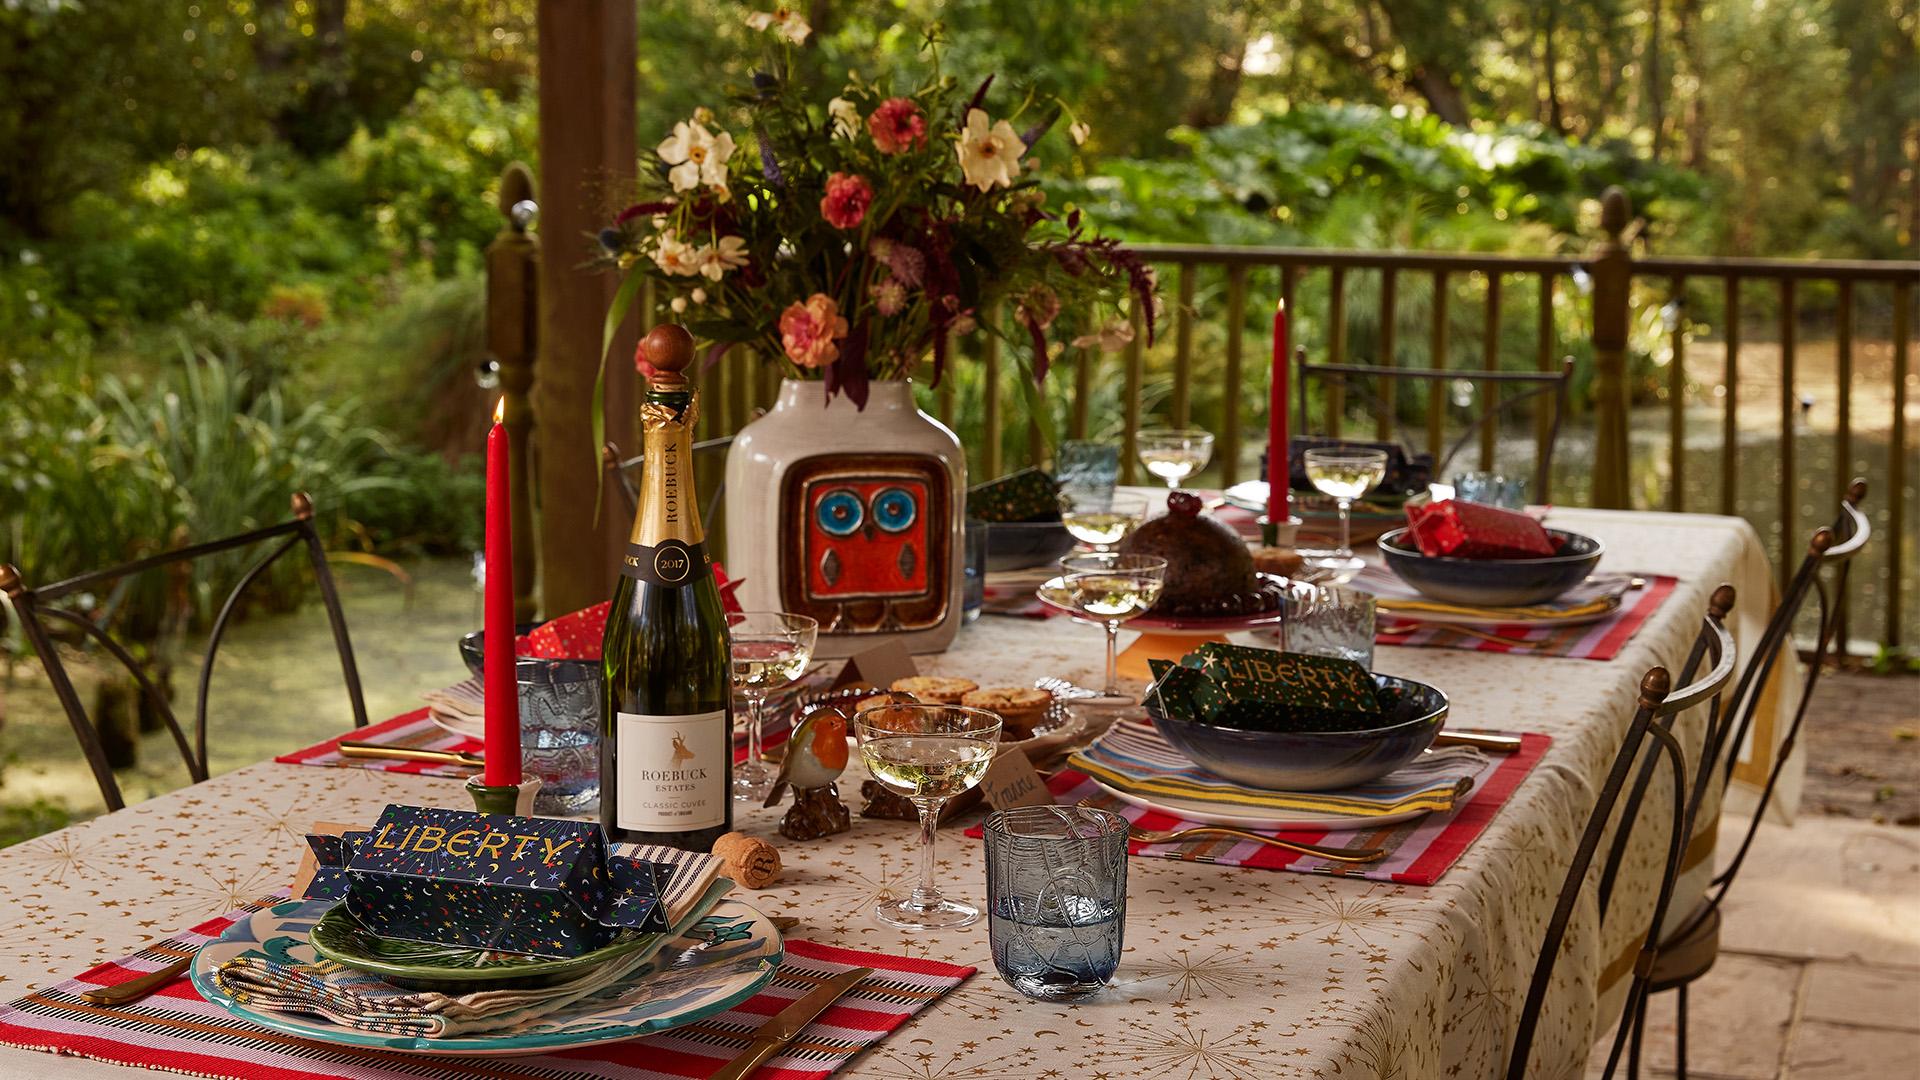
852,516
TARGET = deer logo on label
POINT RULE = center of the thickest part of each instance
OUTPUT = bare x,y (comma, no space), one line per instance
681,755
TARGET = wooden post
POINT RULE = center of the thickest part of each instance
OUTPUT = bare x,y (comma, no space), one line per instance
513,297
587,166
1612,270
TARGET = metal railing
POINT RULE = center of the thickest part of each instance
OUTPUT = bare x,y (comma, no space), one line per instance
1615,285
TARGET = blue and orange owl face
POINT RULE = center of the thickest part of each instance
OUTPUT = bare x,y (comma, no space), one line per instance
875,538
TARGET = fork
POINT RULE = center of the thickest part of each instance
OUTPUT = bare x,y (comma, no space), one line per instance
1342,855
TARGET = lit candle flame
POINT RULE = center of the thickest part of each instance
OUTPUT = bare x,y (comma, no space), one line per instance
500,410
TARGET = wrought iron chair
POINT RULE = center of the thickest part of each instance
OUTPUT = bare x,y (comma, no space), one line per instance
40,607
1691,949
1550,385
1657,705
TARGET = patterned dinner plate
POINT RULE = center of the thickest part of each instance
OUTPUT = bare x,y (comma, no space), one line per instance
722,960
1291,821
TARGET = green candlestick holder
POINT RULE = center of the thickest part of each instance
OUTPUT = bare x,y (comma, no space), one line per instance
504,798
1278,533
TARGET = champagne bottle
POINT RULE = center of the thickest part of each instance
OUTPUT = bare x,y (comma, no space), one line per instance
666,731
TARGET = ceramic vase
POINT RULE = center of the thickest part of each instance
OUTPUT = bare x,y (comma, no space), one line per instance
853,516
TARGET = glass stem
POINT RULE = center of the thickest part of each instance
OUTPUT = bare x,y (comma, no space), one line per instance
1113,661
926,894
755,707
1346,535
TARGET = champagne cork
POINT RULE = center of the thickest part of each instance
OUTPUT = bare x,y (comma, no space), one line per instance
665,354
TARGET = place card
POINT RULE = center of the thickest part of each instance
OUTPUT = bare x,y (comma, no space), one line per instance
1013,781
879,666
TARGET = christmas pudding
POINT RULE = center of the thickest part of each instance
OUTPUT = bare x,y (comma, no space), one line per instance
1210,572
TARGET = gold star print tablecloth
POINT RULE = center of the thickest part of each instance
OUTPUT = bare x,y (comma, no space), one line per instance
1228,974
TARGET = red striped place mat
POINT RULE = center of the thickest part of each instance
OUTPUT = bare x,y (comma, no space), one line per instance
176,1030
1418,851
1600,640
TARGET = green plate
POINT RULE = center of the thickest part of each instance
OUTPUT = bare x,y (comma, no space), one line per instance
421,965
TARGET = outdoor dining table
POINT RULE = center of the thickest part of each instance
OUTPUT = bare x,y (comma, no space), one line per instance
1228,972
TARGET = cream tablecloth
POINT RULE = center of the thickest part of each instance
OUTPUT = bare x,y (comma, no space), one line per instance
1228,973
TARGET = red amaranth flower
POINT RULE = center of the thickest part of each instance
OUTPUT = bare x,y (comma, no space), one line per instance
897,126
848,196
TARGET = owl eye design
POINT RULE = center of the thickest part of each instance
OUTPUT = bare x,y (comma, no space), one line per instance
894,509
840,512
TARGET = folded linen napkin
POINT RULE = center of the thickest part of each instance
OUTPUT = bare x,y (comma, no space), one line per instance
1133,758
464,700
1597,595
365,1002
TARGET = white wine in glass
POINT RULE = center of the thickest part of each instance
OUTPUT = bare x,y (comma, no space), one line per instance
1110,588
1101,521
1173,454
928,753
1345,474
769,650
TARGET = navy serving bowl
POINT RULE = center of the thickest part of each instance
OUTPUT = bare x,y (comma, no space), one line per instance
1313,760
1493,582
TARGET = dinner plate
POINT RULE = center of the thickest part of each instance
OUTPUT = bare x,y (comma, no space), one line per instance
724,959
1211,814
1445,618
458,725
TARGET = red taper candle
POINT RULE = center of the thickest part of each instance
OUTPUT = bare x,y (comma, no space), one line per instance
499,676
1279,501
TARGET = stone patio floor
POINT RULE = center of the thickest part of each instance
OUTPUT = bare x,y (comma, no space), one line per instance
1819,970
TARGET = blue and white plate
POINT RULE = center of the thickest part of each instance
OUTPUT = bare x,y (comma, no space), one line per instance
722,960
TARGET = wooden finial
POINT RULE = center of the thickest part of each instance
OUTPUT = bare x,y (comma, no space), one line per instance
10,582
1616,210
302,506
1822,540
668,350
1654,687
1857,491
1721,602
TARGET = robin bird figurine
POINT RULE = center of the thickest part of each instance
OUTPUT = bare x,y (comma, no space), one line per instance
816,756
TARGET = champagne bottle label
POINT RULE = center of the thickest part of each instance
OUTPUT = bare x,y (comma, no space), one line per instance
672,773
670,563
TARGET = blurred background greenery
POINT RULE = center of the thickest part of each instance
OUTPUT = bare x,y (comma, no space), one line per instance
240,240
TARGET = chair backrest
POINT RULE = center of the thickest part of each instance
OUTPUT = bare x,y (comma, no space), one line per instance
40,607
626,472
1829,553
1550,385
1655,707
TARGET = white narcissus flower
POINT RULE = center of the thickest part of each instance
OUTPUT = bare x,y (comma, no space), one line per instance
989,153
1079,132
676,256
715,259
846,118
699,296
678,304
784,23
1112,336
697,155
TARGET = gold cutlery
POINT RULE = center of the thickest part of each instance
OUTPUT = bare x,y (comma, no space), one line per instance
353,748
134,989
788,1023
1492,744
783,923
1344,855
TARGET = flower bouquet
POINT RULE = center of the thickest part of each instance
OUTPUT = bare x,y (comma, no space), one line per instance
849,239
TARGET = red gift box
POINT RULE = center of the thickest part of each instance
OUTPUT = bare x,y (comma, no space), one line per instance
1465,530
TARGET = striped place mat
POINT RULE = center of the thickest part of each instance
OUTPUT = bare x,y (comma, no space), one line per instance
1600,640
176,1030
1418,851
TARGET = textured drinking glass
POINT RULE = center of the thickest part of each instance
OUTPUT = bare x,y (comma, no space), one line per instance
928,753
769,650
1088,467
1492,489
1173,454
560,733
973,588
1056,898
1330,621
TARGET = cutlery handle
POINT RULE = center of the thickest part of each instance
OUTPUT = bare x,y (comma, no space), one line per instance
134,989
1495,744
351,748
741,1067
1344,855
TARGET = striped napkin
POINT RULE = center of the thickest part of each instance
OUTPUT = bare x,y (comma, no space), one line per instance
1597,595
367,1003
176,1030
1134,758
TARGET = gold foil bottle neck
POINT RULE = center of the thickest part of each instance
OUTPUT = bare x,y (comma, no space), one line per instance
669,509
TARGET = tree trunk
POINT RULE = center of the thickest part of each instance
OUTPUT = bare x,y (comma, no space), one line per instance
1686,14
1556,117
1215,106
1442,96
1656,96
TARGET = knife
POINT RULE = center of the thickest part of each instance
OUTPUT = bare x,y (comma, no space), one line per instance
787,1024
1493,744
352,748
134,989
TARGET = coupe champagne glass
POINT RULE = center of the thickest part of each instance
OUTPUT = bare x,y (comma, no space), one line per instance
1173,454
929,754
1346,473
770,649
1100,520
1110,588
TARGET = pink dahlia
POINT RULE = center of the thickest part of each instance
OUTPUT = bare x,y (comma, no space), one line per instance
848,196
897,126
810,331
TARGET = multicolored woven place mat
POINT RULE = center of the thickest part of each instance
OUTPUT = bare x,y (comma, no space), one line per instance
1418,851
176,1030
1601,640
